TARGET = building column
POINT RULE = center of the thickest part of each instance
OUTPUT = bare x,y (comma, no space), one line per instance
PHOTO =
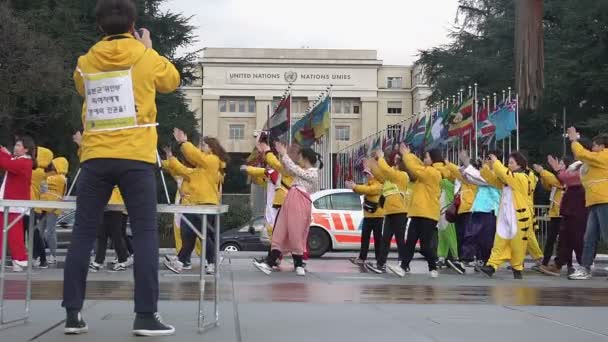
210,116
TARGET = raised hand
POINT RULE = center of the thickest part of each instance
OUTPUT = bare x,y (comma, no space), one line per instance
168,152
262,147
349,185
179,135
538,168
77,138
573,134
281,149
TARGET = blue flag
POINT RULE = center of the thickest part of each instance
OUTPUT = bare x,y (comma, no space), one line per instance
504,120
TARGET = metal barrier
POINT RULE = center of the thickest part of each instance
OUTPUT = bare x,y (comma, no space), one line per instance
542,220
203,210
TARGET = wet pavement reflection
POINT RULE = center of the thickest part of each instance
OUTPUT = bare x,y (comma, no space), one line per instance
318,292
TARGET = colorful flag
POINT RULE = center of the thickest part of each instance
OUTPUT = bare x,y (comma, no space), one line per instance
461,120
419,133
278,124
313,125
485,128
504,120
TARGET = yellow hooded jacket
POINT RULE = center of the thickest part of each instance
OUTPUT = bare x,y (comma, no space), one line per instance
372,191
595,177
43,158
192,190
519,183
427,188
211,171
550,182
286,179
56,182
150,73
396,203
467,192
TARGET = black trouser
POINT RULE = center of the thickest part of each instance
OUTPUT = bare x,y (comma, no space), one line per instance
189,238
422,229
394,225
38,248
111,227
552,233
137,183
128,243
371,225
462,222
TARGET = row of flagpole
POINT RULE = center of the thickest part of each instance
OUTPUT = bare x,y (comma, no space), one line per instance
491,104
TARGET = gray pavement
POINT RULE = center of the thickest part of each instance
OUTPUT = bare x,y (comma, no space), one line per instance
336,301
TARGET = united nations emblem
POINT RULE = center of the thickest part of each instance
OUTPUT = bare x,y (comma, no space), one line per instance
291,76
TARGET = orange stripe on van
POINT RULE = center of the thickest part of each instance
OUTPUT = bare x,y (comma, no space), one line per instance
349,222
322,220
337,221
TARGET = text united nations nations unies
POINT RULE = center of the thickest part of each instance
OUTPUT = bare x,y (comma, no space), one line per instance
277,76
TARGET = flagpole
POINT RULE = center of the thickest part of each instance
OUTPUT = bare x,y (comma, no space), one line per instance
475,123
289,134
331,134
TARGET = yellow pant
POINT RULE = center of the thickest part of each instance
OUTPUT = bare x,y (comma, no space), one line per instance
533,246
513,250
177,234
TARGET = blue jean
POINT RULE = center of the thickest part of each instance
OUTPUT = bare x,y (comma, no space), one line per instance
47,228
137,183
597,226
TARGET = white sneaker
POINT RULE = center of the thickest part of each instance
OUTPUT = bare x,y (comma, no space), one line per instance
400,272
434,274
210,269
129,261
95,267
115,261
174,266
18,266
119,267
170,257
262,266
300,271
52,260
580,274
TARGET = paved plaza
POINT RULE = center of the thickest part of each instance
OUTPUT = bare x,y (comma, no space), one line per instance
336,301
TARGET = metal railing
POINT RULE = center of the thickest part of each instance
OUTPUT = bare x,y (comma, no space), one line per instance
29,206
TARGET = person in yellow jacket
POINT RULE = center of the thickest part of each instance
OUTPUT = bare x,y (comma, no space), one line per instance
270,180
56,186
203,187
425,212
595,181
118,79
466,192
182,184
114,223
533,247
44,156
514,215
551,183
394,203
373,216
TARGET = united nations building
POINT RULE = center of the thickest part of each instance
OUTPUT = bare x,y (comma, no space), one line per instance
236,86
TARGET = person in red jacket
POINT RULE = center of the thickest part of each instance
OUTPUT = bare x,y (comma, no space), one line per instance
16,186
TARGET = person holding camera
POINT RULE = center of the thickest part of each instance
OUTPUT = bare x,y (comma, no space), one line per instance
118,79
373,215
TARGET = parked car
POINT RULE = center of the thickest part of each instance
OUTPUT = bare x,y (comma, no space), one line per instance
337,216
250,237
65,224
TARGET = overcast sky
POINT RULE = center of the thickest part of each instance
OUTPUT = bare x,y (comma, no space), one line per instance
396,28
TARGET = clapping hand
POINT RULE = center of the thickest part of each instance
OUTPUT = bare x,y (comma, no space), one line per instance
538,168
554,163
262,147
404,149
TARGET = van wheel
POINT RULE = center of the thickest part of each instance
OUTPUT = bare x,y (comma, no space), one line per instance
318,242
